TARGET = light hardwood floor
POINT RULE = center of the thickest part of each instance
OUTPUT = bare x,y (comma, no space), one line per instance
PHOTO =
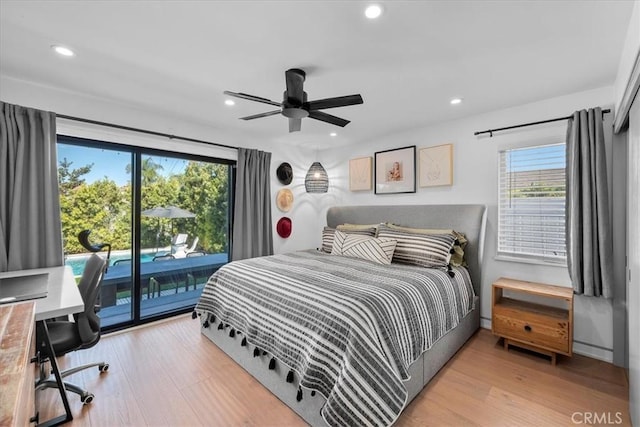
167,373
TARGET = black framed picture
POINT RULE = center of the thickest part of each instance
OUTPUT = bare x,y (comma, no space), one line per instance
395,170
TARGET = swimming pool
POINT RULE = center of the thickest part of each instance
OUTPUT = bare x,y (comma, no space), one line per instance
77,262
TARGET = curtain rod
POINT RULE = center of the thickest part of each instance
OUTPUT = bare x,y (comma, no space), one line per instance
491,131
148,132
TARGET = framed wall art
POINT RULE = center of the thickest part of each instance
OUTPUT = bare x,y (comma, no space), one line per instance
436,165
360,174
395,171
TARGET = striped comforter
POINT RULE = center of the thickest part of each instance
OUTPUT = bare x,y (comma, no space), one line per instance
350,328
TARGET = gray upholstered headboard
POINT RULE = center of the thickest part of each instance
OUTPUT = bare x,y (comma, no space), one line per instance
467,219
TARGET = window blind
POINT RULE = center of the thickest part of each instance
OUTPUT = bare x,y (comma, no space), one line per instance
531,205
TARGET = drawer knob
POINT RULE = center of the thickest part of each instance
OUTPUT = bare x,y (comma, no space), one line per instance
527,328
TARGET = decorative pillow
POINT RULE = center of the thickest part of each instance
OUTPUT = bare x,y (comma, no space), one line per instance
364,247
327,239
349,228
457,258
328,233
426,250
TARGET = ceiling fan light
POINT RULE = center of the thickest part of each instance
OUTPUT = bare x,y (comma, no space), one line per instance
229,102
455,101
316,180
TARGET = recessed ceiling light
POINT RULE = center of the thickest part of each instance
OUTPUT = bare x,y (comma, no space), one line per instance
455,101
61,50
229,102
333,134
373,11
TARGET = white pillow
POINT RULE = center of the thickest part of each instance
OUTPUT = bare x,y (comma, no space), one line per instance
364,247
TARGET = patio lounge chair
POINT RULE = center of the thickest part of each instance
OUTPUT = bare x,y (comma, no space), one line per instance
179,243
193,245
183,251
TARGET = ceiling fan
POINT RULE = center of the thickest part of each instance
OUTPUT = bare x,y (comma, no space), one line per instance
295,106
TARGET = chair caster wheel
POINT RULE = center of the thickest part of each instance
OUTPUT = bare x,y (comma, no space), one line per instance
87,398
103,368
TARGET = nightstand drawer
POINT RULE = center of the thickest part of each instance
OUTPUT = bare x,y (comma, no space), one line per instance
550,334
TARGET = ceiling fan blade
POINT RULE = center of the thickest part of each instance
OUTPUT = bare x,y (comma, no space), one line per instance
295,125
324,117
257,116
295,79
338,101
252,98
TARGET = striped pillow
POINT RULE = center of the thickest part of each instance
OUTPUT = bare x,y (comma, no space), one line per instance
457,258
327,239
426,250
354,228
328,233
364,247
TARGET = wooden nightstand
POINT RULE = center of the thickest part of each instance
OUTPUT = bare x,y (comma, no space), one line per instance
537,327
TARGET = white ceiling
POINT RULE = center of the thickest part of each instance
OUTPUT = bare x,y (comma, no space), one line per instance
177,57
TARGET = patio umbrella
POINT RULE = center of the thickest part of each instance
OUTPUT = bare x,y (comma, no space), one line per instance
168,212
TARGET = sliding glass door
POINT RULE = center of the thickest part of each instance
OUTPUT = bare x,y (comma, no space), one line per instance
96,194
184,227
166,215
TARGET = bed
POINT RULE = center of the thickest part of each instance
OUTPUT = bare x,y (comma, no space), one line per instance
335,363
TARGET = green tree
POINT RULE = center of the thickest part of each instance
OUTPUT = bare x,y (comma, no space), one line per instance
71,178
101,207
150,171
204,191
161,192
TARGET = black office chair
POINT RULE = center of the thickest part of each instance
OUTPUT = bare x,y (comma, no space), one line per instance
84,332
83,238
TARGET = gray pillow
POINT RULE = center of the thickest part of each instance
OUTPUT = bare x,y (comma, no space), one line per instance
426,250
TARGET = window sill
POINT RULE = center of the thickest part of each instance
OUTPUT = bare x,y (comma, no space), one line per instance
505,258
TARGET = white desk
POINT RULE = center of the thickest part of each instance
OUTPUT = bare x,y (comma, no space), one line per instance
63,298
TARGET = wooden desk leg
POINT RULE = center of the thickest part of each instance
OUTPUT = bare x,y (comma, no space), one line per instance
42,325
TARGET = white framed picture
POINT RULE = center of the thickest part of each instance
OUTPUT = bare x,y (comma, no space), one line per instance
360,174
436,165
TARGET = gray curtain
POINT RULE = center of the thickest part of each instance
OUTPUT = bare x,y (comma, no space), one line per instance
589,243
30,227
252,234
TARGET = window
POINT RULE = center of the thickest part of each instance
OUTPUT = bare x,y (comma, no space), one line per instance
531,205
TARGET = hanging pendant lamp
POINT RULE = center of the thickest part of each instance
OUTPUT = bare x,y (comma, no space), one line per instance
316,180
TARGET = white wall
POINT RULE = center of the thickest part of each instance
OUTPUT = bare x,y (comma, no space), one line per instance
304,212
630,50
475,181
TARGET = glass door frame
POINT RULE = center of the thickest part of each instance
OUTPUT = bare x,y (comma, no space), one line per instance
136,203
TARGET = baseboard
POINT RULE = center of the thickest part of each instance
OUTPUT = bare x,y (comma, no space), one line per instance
583,349
485,323
592,351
